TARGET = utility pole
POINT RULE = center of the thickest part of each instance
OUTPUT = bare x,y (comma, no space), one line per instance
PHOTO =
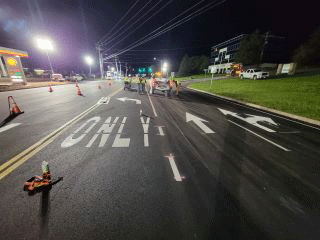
126,69
100,60
265,42
120,67
116,65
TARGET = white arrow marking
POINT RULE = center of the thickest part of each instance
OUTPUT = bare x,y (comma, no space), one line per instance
174,168
104,100
252,119
12,125
199,122
129,99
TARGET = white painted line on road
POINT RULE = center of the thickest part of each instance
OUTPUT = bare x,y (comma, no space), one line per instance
108,100
146,140
92,140
121,142
129,99
277,145
252,119
12,125
199,122
70,141
161,133
104,139
118,141
174,168
22,157
120,128
154,110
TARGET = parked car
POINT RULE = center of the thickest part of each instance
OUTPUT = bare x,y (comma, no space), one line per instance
57,77
77,77
254,74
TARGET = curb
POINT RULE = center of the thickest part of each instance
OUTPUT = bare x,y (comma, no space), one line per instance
6,88
284,114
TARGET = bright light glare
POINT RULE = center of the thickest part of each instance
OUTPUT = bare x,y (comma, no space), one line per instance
44,44
89,60
165,65
112,68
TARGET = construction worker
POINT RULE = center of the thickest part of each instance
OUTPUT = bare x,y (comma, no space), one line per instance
140,84
143,85
153,84
178,82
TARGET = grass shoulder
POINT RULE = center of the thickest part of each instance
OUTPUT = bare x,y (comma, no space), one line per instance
298,95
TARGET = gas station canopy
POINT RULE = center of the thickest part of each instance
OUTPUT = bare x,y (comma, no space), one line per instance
13,52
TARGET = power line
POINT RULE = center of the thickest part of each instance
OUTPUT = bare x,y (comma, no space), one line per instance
127,22
154,14
181,14
178,23
129,10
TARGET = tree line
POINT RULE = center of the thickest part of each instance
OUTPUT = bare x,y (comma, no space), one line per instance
307,55
193,65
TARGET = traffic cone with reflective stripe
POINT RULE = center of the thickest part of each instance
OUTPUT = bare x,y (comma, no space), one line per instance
14,110
50,88
79,92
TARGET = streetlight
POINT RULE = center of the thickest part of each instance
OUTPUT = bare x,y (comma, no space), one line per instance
89,61
165,67
46,45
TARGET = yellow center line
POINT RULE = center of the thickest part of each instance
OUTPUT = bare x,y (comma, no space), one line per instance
19,159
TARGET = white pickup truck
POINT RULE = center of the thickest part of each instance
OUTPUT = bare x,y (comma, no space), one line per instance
254,74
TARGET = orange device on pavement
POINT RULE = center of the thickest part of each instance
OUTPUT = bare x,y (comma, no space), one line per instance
40,183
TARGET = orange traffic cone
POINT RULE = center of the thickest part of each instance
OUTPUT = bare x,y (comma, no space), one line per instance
50,88
79,92
14,110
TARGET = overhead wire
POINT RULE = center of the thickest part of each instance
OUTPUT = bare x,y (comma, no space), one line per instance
178,23
181,14
128,11
129,20
129,34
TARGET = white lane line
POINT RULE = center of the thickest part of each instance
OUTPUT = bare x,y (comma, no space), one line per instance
146,140
277,145
12,125
174,168
154,111
108,100
161,133
124,120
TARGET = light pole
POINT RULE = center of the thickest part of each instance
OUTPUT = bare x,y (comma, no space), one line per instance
165,67
89,61
46,45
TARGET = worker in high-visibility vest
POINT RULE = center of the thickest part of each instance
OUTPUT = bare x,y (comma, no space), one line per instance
153,84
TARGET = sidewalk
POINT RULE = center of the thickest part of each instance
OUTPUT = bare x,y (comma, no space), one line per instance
9,87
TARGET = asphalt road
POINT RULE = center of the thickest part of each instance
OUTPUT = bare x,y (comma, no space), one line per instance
136,166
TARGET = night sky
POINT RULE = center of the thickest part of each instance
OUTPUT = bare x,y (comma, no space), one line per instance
76,26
